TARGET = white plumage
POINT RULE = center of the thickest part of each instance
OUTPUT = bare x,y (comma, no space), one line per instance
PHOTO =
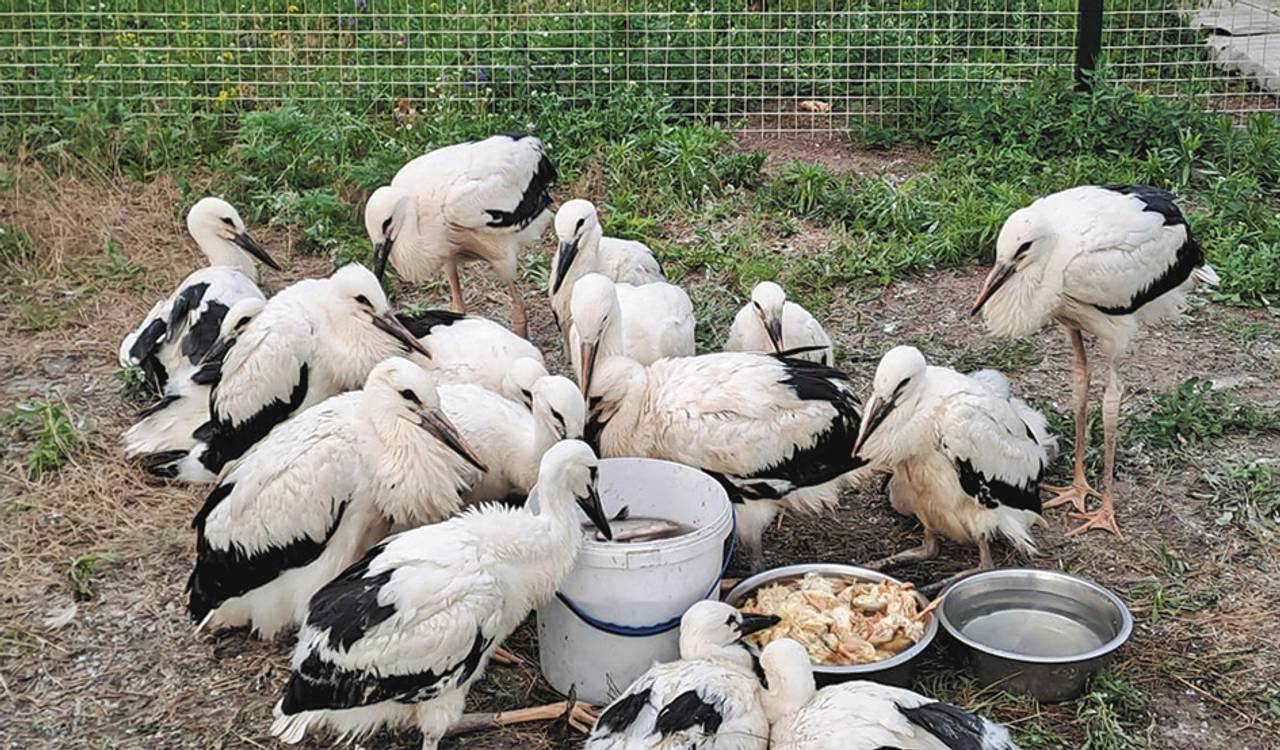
518,380
398,638
1098,260
708,699
180,329
481,201
649,322
584,249
315,339
771,323
862,715
509,438
964,460
318,491
469,349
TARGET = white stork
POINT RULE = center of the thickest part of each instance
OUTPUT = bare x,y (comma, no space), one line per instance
708,699
770,323
399,637
481,201
862,715
314,339
964,460
168,429
646,323
469,349
318,492
518,380
762,425
1098,260
584,249
179,329
509,438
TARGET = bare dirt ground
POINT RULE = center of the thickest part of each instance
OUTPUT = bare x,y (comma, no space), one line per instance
126,671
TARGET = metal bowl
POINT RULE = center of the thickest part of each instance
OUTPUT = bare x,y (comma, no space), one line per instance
897,670
1038,632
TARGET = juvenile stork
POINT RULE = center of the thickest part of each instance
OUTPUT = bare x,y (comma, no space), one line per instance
584,249
646,323
708,699
964,460
1102,261
318,492
400,636
481,201
469,349
862,715
509,438
180,329
314,339
518,380
762,425
770,323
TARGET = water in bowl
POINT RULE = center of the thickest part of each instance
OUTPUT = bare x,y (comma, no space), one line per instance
1032,632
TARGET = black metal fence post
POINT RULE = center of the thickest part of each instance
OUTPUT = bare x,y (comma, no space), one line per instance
1088,41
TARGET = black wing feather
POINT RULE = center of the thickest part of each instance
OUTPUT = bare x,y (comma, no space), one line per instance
204,334
229,440
955,727
421,324
686,711
1190,255
348,605
535,200
622,714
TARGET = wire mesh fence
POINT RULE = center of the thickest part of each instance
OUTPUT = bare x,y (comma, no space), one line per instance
768,64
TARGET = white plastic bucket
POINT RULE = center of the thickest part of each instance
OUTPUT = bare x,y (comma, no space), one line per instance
637,587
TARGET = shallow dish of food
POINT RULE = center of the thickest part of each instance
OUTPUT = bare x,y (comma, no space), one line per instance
1038,632
856,624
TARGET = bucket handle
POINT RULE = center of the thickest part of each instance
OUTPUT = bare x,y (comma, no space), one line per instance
632,631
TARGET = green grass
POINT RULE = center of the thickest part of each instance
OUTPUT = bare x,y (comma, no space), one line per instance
1246,492
82,569
1107,710
1194,413
132,383
51,431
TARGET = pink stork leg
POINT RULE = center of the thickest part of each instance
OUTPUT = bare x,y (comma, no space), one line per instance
1079,491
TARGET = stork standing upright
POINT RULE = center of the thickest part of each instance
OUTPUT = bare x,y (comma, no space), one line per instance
648,322
584,249
181,328
1101,260
318,492
964,460
771,323
400,636
314,339
481,201
709,698
861,715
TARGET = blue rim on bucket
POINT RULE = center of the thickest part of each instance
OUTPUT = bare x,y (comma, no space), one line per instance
641,631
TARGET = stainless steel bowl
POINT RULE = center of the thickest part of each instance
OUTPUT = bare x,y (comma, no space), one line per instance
897,670
1038,632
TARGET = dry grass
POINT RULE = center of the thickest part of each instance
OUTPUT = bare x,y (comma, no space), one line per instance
126,671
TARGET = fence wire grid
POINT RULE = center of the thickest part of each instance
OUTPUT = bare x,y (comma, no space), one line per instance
767,64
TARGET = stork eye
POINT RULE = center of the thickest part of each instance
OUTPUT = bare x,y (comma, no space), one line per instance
363,300
733,621
756,305
241,323
228,221
901,385
386,225
559,419
579,226
1024,247
411,396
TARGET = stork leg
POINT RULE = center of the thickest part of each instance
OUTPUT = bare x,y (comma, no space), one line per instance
1079,490
985,562
581,716
518,320
1105,517
926,551
455,288
503,656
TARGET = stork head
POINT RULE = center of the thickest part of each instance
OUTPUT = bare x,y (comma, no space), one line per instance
359,295
577,225
239,316
221,234
768,299
387,212
570,469
712,629
517,383
595,311
788,674
898,375
558,405
397,387
1024,239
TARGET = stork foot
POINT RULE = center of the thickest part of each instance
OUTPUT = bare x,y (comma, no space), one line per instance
1077,494
1103,518
503,656
581,716
937,587
926,551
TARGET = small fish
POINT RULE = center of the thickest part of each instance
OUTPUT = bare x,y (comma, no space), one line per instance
628,529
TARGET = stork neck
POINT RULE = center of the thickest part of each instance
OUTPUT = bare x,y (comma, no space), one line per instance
418,477
221,252
787,694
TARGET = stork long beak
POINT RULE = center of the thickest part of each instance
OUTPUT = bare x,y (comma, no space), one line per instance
589,352
247,243
564,259
773,327
436,423
1000,273
595,511
756,623
387,323
381,252
876,411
